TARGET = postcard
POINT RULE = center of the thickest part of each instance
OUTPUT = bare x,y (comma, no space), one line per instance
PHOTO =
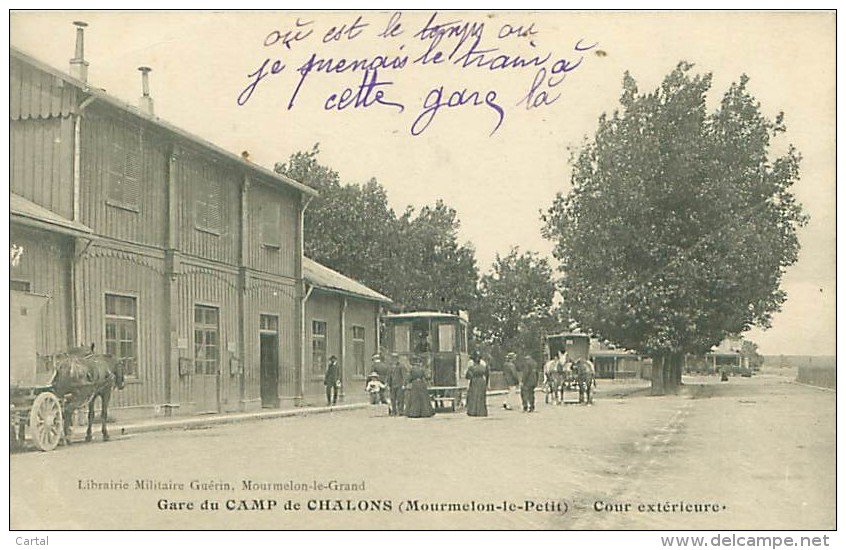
423,270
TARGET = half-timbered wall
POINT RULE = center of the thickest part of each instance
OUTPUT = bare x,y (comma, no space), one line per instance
41,162
203,285
269,297
34,93
363,314
208,198
138,274
272,245
44,269
329,307
167,231
123,178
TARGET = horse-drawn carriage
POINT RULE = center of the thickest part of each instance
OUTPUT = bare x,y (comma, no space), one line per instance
436,342
567,367
43,394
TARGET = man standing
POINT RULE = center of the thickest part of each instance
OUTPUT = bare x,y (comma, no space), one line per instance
397,378
528,383
332,380
509,373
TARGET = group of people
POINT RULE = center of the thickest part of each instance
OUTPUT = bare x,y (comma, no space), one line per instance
405,390
523,374
405,385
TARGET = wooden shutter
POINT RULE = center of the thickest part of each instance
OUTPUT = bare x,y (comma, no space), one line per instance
270,217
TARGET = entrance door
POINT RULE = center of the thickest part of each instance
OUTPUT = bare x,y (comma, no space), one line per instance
269,359
206,379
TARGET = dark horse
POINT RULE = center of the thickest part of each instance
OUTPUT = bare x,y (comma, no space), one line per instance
81,376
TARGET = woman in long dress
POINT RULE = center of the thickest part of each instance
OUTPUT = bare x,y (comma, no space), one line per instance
418,404
477,393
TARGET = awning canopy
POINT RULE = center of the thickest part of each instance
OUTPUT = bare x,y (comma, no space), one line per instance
26,212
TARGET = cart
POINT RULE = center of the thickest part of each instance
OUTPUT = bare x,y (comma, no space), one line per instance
32,402
577,346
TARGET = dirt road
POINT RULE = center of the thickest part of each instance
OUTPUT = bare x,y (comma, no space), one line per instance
759,452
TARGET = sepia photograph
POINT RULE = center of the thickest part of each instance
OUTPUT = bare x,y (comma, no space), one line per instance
419,270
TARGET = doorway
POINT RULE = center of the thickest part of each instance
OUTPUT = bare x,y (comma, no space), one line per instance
269,361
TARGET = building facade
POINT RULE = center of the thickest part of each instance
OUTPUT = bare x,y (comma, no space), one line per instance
342,319
158,246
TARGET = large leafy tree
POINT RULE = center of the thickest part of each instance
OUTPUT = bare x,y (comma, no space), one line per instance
433,270
515,304
679,224
414,258
345,225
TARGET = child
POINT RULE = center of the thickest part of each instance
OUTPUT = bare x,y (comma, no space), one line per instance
375,387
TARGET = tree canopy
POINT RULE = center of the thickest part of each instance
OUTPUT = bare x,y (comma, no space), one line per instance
679,224
415,258
515,306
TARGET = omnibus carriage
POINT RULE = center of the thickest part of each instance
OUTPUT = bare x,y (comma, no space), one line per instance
437,342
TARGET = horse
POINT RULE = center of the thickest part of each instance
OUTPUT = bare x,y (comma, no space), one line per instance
586,381
556,377
81,376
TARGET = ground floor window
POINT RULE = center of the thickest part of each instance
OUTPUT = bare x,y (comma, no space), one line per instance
122,330
359,356
206,340
318,347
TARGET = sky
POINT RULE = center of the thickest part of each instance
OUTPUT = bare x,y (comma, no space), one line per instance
492,141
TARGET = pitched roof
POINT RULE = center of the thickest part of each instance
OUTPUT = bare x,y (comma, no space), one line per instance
330,280
421,315
102,96
29,213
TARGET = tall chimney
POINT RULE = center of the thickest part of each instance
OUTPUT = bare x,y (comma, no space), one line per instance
78,65
146,102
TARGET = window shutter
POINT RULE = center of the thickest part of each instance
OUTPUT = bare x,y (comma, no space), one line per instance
270,216
208,201
124,167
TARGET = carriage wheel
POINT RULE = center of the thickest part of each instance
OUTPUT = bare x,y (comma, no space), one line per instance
45,421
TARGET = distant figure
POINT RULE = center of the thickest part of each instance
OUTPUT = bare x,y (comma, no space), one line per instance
419,405
509,373
528,383
332,380
397,379
422,344
477,394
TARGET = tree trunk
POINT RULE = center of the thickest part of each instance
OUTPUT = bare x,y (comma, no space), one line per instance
658,376
673,371
666,372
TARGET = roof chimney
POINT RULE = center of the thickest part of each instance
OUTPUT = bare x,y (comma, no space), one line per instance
146,102
78,65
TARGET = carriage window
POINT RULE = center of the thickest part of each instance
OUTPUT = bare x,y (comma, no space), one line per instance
121,329
462,338
402,340
206,340
318,346
358,350
446,338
